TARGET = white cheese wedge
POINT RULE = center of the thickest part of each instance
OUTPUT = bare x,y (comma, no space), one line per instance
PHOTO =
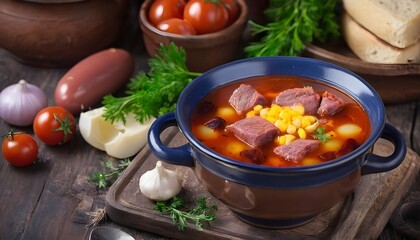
117,140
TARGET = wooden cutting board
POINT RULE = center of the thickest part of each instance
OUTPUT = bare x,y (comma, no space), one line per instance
363,214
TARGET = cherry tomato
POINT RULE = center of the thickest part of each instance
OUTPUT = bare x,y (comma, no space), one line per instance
206,17
164,9
54,125
19,148
177,26
233,10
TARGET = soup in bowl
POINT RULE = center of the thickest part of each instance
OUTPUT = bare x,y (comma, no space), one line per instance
279,139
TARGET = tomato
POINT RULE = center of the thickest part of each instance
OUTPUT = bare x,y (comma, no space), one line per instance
19,148
164,9
206,17
177,26
233,10
54,125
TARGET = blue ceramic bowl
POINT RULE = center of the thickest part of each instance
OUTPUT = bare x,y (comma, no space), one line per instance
276,197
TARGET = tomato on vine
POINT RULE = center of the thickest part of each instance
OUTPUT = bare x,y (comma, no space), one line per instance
19,148
206,16
54,125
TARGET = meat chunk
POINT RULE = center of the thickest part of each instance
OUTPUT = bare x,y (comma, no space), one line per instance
296,150
306,96
216,123
349,145
244,98
254,131
330,104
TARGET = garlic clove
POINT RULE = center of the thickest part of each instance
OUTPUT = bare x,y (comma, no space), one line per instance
160,184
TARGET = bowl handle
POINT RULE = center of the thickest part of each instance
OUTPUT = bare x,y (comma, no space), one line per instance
377,164
174,155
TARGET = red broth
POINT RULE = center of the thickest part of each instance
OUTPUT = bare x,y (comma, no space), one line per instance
225,142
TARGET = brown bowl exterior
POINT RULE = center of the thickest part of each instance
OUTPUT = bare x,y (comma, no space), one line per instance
59,34
205,51
261,202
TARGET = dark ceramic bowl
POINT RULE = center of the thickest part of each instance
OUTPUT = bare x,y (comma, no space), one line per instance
204,51
59,33
276,197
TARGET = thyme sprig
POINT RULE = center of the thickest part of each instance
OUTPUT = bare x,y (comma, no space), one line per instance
103,180
199,214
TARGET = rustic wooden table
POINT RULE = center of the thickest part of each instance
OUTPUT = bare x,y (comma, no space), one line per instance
52,199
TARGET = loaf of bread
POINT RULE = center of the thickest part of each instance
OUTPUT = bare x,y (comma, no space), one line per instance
394,21
370,48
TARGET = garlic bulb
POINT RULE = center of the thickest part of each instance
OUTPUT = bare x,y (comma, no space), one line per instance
160,184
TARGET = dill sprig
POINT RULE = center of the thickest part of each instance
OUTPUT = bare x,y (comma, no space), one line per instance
156,92
291,25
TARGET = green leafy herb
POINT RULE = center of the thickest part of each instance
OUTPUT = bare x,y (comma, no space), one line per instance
201,213
291,25
321,135
156,92
105,179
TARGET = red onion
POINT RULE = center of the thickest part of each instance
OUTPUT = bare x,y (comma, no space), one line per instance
20,102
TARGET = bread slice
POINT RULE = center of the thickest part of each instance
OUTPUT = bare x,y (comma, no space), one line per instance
370,48
394,21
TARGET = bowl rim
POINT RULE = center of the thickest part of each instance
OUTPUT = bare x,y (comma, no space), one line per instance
228,31
375,129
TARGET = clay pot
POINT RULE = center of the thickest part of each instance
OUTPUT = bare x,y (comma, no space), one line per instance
204,51
59,34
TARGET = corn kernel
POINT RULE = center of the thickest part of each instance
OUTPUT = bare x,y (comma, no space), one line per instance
299,109
301,133
289,138
283,126
291,129
276,107
258,108
310,118
272,113
284,115
305,122
251,114
281,140
264,112
291,113
297,122
271,119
